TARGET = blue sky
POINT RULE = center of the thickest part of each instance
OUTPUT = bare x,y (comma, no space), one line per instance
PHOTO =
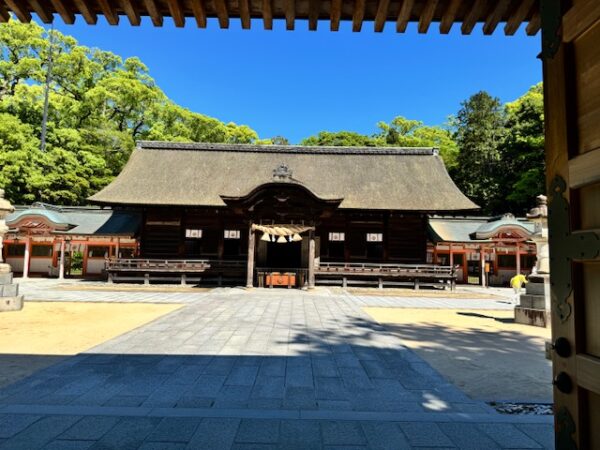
297,83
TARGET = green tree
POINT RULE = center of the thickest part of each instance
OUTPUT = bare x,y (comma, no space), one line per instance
523,150
339,139
479,134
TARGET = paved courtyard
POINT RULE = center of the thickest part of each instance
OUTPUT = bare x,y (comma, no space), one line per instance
264,369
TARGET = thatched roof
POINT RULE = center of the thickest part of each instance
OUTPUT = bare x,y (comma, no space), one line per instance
388,178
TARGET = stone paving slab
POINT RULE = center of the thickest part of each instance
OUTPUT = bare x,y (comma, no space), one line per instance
235,369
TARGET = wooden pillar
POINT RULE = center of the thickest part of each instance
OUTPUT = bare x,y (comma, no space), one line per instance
311,259
518,257
117,249
451,255
250,267
61,265
27,257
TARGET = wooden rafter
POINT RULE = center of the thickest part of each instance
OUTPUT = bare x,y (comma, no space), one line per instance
199,13
244,13
495,17
20,10
4,14
41,9
267,13
517,17
132,13
473,16
335,14
427,15
109,12
534,25
154,13
449,16
65,12
358,15
222,14
176,13
290,14
313,14
381,15
404,15
86,10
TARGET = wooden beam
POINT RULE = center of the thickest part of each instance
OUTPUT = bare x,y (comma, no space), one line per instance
20,10
65,13
267,12
335,14
313,14
584,169
534,25
404,15
154,13
88,13
427,15
222,14
518,16
4,14
41,9
109,12
244,14
449,16
199,13
473,16
290,14
579,18
358,15
381,15
176,13
131,11
495,17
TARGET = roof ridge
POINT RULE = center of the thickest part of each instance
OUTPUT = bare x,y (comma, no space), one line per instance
296,149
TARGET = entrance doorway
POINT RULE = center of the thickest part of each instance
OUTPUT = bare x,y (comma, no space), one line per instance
284,255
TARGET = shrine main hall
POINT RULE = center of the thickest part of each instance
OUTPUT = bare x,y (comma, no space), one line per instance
257,212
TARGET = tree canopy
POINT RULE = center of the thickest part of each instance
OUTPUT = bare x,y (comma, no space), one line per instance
99,105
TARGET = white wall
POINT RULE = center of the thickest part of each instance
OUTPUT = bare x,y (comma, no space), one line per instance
95,266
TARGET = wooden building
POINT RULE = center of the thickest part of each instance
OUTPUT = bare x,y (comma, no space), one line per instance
46,240
318,211
469,243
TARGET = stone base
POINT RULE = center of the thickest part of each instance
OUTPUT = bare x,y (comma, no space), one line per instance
11,303
532,316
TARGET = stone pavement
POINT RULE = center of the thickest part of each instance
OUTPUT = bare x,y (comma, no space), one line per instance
264,369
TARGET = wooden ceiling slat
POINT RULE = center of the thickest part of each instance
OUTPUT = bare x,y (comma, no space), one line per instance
473,16
495,17
199,13
358,15
222,14
176,13
4,14
335,14
313,14
244,14
41,9
290,14
427,15
109,12
132,12
20,10
154,13
267,13
534,25
88,13
517,17
449,16
65,13
404,15
381,15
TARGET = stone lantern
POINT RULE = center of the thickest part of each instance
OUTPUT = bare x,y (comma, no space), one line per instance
10,300
534,305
